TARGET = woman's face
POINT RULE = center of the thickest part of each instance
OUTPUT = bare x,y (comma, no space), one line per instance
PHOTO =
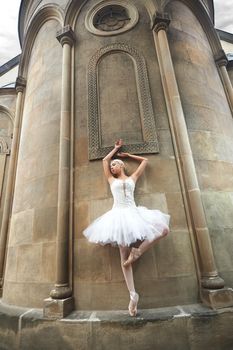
115,168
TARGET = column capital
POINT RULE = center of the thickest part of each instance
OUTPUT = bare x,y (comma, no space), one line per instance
20,84
66,36
160,21
221,58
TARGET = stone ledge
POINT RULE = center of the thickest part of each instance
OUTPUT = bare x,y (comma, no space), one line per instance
187,327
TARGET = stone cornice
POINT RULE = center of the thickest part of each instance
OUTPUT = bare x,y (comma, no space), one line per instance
66,36
160,21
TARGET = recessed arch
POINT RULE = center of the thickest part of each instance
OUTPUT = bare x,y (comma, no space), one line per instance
46,13
149,143
72,11
6,111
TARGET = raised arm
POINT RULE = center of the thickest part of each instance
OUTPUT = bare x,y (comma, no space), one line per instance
107,159
140,169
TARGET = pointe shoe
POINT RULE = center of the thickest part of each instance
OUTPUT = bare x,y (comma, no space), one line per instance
133,256
134,297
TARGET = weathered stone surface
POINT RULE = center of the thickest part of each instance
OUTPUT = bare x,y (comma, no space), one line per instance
45,224
190,327
57,308
21,227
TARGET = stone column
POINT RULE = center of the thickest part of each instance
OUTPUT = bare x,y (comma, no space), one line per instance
20,85
221,61
211,285
61,302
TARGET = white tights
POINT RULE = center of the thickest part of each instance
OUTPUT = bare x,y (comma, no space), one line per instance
124,254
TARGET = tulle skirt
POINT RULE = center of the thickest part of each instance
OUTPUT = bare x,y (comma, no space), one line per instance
126,225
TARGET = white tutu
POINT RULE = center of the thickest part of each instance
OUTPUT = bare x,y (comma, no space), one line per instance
126,223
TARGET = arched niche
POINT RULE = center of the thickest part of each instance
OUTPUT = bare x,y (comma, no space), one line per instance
109,115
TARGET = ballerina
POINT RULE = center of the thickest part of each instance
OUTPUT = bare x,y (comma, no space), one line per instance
126,223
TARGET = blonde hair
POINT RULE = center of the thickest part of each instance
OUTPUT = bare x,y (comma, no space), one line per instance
118,161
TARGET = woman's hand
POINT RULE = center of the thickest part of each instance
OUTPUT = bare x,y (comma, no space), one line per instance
118,143
122,154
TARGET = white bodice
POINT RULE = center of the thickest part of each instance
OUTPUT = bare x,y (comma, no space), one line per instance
123,192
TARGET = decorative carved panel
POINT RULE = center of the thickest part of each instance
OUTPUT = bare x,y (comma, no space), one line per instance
111,17
119,102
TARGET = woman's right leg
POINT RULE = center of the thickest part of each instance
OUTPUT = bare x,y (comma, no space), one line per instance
129,280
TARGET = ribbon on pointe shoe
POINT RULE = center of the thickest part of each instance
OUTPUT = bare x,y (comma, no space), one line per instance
135,253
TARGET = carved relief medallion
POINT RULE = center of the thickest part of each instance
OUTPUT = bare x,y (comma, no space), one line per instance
111,18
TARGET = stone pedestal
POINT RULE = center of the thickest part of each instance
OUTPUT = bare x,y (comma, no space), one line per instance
218,298
58,308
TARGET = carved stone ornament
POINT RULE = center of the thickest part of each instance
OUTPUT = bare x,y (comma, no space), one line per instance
3,146
160,21
111,18
149,136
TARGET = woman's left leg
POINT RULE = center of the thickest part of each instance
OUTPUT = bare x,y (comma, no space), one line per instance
144,246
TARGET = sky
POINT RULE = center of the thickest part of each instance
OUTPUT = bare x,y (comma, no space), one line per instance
9,42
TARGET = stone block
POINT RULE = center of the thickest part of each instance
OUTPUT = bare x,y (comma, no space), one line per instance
31,168
92,263
174,255
162,175
41,192
26,294
165,143
27,272
146,267
100,296
116,274
45,224
202,145
154,293
214,175
90,182
11,263
81,151
99,207
219,298
81,217
21,227
176,208
38,142
153,201
58,308
218,209
222,241
201,117
48,263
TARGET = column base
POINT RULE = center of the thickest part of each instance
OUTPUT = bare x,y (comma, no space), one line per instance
212,282
61,291
218,298
58,308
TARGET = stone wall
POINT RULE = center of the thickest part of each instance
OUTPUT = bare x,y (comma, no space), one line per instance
209,122
166,274
30,269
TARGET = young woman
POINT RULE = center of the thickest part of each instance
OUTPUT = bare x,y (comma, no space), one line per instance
126,223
